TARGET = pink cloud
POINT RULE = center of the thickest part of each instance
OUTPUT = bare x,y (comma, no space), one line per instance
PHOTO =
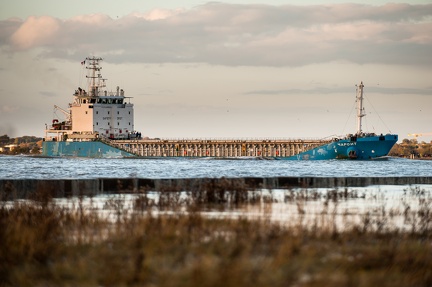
158,14
36,31
90,20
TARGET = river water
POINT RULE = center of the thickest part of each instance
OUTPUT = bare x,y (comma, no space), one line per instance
25,167
406,204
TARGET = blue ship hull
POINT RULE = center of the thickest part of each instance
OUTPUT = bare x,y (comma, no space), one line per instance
94,149
367,147
354,148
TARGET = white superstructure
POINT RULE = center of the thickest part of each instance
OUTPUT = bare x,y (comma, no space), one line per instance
96,112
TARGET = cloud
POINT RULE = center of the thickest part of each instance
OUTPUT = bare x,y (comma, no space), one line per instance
296,92
158,14
36,32
342,90
7,129
47,94
233,35
400,91
7,109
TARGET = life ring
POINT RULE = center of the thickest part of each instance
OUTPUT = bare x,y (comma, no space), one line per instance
55,121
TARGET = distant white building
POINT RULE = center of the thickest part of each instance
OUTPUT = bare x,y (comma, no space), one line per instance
9,147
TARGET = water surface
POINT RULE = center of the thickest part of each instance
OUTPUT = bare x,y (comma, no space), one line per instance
19,167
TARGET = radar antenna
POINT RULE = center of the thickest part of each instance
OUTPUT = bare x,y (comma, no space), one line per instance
93,65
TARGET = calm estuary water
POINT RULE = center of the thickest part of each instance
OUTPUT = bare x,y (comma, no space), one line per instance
406,204
20,167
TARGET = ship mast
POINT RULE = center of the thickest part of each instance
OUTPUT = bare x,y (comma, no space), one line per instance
93,65
360,108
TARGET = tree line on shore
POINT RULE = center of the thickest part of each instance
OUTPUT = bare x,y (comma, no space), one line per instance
411,148
20,145
408,148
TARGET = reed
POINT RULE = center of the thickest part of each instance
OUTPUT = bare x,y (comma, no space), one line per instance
170,241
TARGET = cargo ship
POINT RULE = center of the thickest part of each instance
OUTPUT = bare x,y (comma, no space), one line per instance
100,124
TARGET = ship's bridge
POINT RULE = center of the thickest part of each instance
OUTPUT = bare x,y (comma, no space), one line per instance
100,100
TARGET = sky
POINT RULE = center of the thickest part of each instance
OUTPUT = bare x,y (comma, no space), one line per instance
226,69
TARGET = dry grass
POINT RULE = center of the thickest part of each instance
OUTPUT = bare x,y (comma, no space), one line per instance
43,244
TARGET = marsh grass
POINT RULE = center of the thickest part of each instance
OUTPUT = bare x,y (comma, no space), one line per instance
47,244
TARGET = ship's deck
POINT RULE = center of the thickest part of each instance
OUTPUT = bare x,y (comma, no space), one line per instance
216,147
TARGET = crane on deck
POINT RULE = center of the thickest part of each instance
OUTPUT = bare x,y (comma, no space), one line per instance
66,113
65,125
